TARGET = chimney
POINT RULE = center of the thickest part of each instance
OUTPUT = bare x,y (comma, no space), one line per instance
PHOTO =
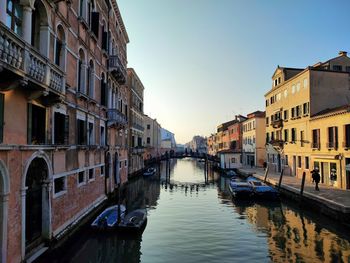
342,53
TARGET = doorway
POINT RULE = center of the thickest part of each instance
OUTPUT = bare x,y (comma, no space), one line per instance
36,204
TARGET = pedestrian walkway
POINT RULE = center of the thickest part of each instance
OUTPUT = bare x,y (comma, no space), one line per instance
333,198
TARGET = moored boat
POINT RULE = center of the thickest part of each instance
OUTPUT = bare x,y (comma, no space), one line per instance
150,171
135,221
109,217
240,189
261,190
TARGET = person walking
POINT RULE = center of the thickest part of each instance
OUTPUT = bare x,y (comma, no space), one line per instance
316,178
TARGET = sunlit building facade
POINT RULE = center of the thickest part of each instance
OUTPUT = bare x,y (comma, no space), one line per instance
296,96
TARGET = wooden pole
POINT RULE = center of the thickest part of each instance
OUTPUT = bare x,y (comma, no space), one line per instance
266,172
302,184
280,181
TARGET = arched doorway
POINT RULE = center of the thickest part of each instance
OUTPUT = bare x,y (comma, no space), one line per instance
4,192
37,214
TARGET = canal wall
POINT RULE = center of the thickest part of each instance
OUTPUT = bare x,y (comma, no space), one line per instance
333,208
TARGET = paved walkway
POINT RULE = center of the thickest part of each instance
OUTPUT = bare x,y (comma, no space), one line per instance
333,198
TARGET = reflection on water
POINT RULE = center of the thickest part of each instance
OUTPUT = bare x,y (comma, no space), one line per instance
192,218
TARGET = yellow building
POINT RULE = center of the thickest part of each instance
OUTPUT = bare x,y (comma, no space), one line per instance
296,95
330,143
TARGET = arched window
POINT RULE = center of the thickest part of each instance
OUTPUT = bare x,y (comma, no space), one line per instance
91,79
14,16
104,38
60,49
103,91
40,28
81,72
91,8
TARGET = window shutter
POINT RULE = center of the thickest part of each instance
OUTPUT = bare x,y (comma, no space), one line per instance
95,25
66,129
29,124
1,117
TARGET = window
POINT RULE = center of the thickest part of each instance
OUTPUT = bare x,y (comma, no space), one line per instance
267,103
298,111
302,138
61,128
286,93
148,126
286,135
102,173
315,139
272,136
294,134
267,138
148,140
81,177
81,72
91,134
91,79
103,91
36,124
2,104
293,89
306,108
285,115
125,163
333,137
307,162
347,69
278,97
91,174
299,161
14,16
81,132
102,136
305,83
60,47
293,113
298,86
286,160
347,136
337,68
59,185
120,164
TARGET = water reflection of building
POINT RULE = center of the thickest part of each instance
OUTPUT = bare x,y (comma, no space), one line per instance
294,237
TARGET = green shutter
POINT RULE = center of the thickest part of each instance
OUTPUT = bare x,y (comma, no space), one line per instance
29,124
2,101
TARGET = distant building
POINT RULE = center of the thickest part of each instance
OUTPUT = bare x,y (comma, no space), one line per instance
254,152
136,123
197,144
151,137
168,140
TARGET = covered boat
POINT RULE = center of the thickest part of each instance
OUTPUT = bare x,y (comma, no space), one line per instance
134,221
109,217
261,190
240,189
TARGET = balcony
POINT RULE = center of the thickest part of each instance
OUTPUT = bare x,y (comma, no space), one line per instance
22,64
138,150
138,126
116,118
117,69
277,124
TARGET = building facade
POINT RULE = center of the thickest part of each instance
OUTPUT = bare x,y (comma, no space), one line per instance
136,122
152,138
168,142
197,144
253,150
61,66
296,96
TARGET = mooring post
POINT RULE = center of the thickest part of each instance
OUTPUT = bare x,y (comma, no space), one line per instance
280,181
266,172
302,184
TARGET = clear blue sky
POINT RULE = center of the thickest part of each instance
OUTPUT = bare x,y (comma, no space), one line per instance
204,61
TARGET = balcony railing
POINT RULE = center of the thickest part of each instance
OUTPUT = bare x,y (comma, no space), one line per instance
117,69
115,117
22,59
138,126
277,123
278,143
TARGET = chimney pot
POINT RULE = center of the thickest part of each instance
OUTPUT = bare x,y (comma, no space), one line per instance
342,53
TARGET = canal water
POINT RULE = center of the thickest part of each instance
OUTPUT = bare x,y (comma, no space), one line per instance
192,218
